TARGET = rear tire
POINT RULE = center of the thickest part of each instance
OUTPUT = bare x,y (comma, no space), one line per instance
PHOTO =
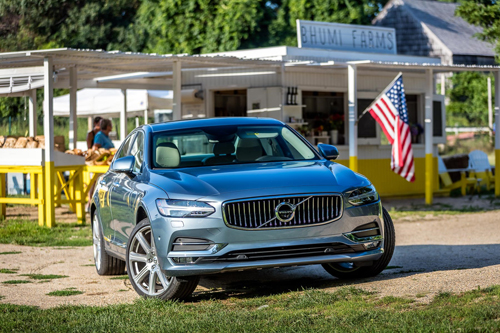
104,263
350,271
144,270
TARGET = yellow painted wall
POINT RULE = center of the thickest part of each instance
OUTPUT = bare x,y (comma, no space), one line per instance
388,183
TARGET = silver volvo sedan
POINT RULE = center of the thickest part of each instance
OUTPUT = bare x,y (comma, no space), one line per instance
189,198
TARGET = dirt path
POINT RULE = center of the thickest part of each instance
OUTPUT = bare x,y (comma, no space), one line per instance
447,253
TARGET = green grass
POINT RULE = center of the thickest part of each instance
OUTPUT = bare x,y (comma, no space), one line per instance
24,232
44,277
345,310
16,281
88,265
8,271
124,277
11,252
65,292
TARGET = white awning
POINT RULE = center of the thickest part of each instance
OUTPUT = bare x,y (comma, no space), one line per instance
108,102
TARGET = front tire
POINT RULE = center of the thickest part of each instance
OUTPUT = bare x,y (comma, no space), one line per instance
349,270
104,263
144,270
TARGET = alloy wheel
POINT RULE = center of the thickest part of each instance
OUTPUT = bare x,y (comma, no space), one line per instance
143,264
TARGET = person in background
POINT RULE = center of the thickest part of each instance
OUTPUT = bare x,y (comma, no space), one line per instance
102,139
91,134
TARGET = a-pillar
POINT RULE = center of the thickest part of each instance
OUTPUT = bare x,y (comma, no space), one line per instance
73,122
177,78
123,117
497,136
48,131
352,87
429,157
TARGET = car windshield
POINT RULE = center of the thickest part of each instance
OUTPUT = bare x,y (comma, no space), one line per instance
227,145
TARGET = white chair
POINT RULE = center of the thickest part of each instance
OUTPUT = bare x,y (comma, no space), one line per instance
479,163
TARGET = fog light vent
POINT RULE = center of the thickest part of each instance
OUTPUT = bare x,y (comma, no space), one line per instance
184,260
191,244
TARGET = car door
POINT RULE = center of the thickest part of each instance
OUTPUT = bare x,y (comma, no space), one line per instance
110,183
125,195
104,186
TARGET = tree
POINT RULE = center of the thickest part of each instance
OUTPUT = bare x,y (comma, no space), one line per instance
483,13
202,26
282,30
95,24
468,100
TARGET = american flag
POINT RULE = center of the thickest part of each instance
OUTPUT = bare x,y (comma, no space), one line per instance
390,111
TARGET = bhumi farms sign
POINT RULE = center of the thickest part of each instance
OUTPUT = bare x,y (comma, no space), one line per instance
346,37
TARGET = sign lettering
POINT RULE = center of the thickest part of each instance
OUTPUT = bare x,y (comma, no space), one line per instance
346,37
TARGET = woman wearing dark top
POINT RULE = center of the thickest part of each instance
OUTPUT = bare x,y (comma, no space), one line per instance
91,134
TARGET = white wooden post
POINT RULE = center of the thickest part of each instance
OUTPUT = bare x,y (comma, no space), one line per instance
145,116
177,78
90,123
443,84
73,120
33,120
123,117
429,159
496,76
490,108
48,132
352,87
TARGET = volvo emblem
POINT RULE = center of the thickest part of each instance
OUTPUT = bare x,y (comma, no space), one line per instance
285,211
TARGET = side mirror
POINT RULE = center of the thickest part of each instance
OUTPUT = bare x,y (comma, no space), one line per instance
328,151
124,164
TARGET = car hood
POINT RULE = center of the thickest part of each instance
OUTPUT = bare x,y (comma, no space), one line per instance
256,178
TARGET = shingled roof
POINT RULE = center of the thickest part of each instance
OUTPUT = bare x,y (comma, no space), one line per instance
451,30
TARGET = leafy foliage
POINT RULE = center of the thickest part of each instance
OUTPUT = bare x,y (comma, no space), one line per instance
483,13
202,26
468,99
282,29
39,24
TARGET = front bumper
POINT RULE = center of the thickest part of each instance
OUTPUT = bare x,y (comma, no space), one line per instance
216,267
228,241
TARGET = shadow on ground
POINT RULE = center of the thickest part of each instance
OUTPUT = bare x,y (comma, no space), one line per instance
408,260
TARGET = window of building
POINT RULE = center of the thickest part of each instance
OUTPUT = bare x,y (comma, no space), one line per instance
325,110
230,103
369,132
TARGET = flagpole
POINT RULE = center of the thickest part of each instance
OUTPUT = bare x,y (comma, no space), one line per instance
376,98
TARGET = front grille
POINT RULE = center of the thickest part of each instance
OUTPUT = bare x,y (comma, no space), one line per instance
285,252
260,213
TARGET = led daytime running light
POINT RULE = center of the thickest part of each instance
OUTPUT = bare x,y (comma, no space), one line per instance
362,195
184,208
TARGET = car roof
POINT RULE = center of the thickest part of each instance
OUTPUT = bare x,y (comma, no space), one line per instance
207,122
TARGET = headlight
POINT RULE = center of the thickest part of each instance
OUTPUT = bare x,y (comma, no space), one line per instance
362,195
184,208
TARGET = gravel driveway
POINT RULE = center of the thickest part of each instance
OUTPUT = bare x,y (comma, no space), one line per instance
445,253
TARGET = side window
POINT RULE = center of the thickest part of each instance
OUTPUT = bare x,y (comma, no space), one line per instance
124,148
137,151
